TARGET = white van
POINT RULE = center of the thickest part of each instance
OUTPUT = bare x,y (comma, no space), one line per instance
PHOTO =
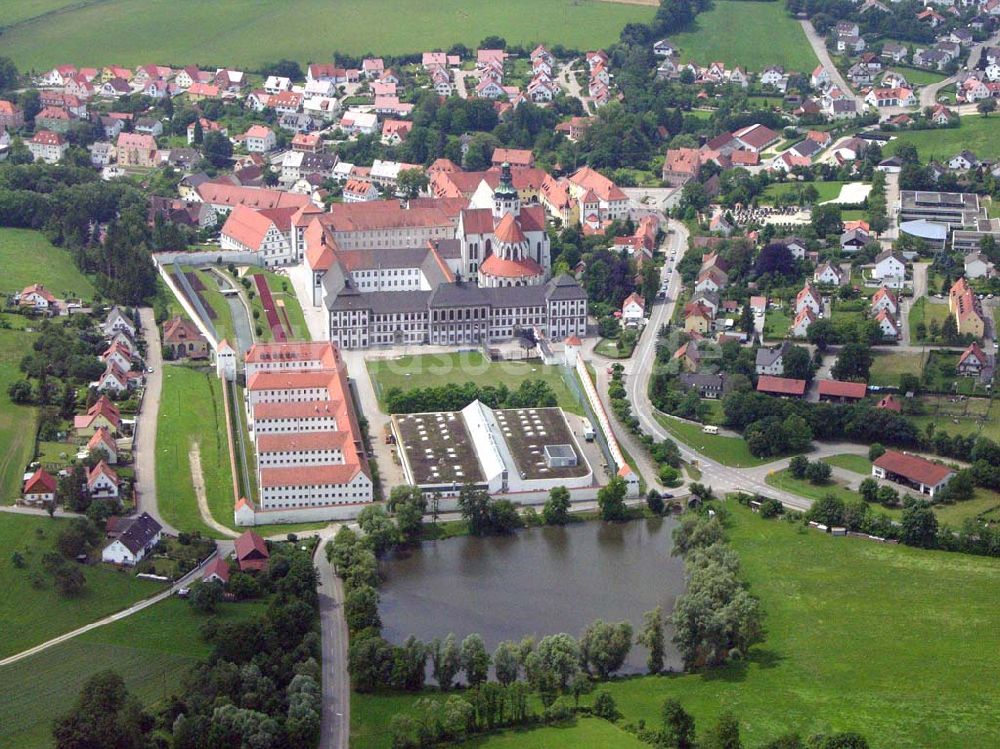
588,431
709,429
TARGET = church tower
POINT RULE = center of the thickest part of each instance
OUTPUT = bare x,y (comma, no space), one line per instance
505,197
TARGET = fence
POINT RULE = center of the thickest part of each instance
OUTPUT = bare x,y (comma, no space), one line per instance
573,382
602,422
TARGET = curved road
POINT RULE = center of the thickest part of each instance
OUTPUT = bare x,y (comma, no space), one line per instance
818,44
928,94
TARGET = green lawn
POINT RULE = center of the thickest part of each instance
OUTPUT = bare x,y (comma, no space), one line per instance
213,297
27,257
785,482
925,312
979,134
880,639
151,650
133,32
729,451
888,366
826,190
427,370
971,416
191,411
584,732
30,615
918,76
609,347
855,463
18,424
993,208
776,324
751,34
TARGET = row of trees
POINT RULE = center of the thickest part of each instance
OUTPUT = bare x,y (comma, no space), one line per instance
533,393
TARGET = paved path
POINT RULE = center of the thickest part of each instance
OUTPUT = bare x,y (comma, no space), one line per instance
566,78
144,442
335,725
818,44
133,609
928,94
459,75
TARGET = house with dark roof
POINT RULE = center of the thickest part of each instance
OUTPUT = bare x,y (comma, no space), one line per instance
251,552
136,538
770,361
707,385
913,471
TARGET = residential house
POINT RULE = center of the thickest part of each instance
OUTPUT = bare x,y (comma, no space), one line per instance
967,309
890,97
809,298
135,149
771,361
942,115
895,52
183,339
912,470
394,132
887,325
103,482
973,361
977,265
103,444
820,78
829,274
117,321
251,552
136,537
360,191
890,269
362,123
40,488
711,279
37,297
259,139
681,165
884,299
663,48
47,146
697,318
853,240
633,308
707,385
800,326
103,413
838,391
963,160
216,571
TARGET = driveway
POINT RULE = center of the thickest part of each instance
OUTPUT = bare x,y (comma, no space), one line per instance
144,441
566,78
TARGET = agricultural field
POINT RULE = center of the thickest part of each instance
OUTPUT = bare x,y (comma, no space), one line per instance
888,366
30,615
729,451
979,134
151,650
18,424
751,34
27,257
191,411
133,32
829,661
430,370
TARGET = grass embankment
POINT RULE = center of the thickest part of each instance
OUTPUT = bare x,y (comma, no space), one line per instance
151,650
981,135
752,34
30,615
881,639
27,257
18,424
132,33
432,370
191,411
729,451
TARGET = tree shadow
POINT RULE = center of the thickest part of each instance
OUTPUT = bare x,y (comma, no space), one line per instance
736,671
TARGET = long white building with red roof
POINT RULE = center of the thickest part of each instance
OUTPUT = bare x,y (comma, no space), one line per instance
311,462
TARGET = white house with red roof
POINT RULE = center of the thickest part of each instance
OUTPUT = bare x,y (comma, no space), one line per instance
973,361
47,146
39,488
884,299
633,308
38,297
104,444
612,203
800,326
266,232
103,482
259,139
114,379
360,191
887,324
809,298
119,355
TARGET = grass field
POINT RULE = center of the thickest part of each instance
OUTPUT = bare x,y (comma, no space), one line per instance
925,312
580,733
730,451
151,650
880,639
223,320
919,77
856,463
18,424
27,257
971,416
826,190
427,370
776,324
888,366
752,34
191,411
981,135
785,482
133,32
29,615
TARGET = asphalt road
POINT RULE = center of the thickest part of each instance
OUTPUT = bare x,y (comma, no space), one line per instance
818,44
144,442
335,725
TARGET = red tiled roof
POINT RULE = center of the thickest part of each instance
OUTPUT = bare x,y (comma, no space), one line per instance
40,482
302,351
248,543
841,389
780,385
218,567
890,403
913,467
309,475
500,268
508,230
285,380
296,410
301,442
